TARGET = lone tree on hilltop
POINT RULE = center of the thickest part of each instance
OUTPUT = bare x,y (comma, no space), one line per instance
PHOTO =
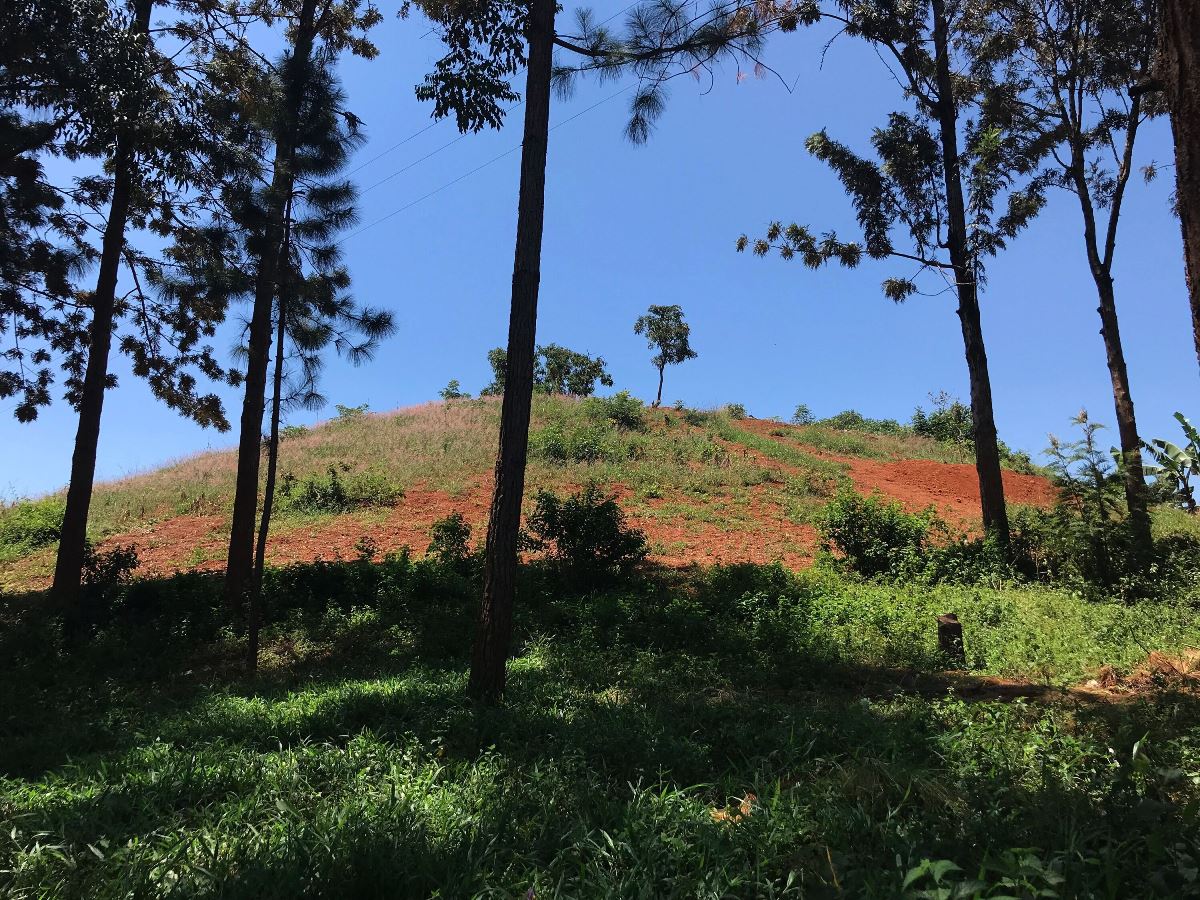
665,331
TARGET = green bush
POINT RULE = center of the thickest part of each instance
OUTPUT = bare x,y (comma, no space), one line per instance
621,409
292,431
350,413
451,544
585,533
735,411
949,422
851,420
580,442
803,415
335,493
876,536
29,525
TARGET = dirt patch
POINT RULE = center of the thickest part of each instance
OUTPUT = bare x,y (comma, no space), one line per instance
952,488
917,483
407,524
1159,672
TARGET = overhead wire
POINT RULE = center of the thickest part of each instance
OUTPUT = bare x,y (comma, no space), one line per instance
493,160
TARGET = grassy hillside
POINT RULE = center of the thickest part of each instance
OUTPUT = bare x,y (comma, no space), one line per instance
706,487
761,728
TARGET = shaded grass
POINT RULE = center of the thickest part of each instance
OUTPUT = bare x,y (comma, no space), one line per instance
354,766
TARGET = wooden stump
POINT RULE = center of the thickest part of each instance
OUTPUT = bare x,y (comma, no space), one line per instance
950,640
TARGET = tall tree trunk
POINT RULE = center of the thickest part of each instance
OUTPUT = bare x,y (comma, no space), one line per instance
1100,262
1134,477
1178,72
240,563
264,527
490,653
658,399
987,450
68,568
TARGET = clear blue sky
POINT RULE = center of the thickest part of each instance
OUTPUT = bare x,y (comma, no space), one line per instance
629,226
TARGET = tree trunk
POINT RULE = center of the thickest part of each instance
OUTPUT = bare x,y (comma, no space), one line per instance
658,399
68,568
260,551
1100,263
1136,493
240,563
490,653
1178,71
987,450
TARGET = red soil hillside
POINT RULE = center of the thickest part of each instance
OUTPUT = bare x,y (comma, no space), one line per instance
706,491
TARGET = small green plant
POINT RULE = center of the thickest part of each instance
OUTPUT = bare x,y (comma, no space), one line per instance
1176,466
453,391
585,533
292,431
803,415
876,536
28,525
579,443
335,493
108,570
852,420
451,544
735,411
949,421
622,409
350,413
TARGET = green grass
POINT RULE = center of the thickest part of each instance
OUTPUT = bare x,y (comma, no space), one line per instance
143,764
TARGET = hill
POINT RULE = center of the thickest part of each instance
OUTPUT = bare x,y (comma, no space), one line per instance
706,487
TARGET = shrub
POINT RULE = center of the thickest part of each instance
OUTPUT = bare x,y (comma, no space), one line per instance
695,417
735,411
29,525
350,413
451,544
622,409
851,420
803,415
949,421
876,536
334,493
585,533
453,391
292,431
587,443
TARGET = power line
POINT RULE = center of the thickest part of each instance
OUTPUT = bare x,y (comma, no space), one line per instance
416,134
494,159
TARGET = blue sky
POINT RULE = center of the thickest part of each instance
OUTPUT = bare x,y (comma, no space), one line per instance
628,226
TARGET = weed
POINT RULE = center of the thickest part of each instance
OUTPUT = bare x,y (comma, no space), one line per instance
28,525
451,544
335,493
586,533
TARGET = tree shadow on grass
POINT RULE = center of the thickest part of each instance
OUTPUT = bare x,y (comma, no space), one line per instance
363,764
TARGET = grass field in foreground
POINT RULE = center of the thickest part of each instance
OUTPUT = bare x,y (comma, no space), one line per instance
733,732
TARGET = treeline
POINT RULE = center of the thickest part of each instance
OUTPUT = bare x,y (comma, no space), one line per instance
211,176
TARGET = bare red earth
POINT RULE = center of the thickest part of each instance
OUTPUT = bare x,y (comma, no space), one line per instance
199,542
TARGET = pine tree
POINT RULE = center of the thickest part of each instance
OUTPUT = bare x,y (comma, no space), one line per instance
318,31
112,96
487,43
1077,63
958,188
313,312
